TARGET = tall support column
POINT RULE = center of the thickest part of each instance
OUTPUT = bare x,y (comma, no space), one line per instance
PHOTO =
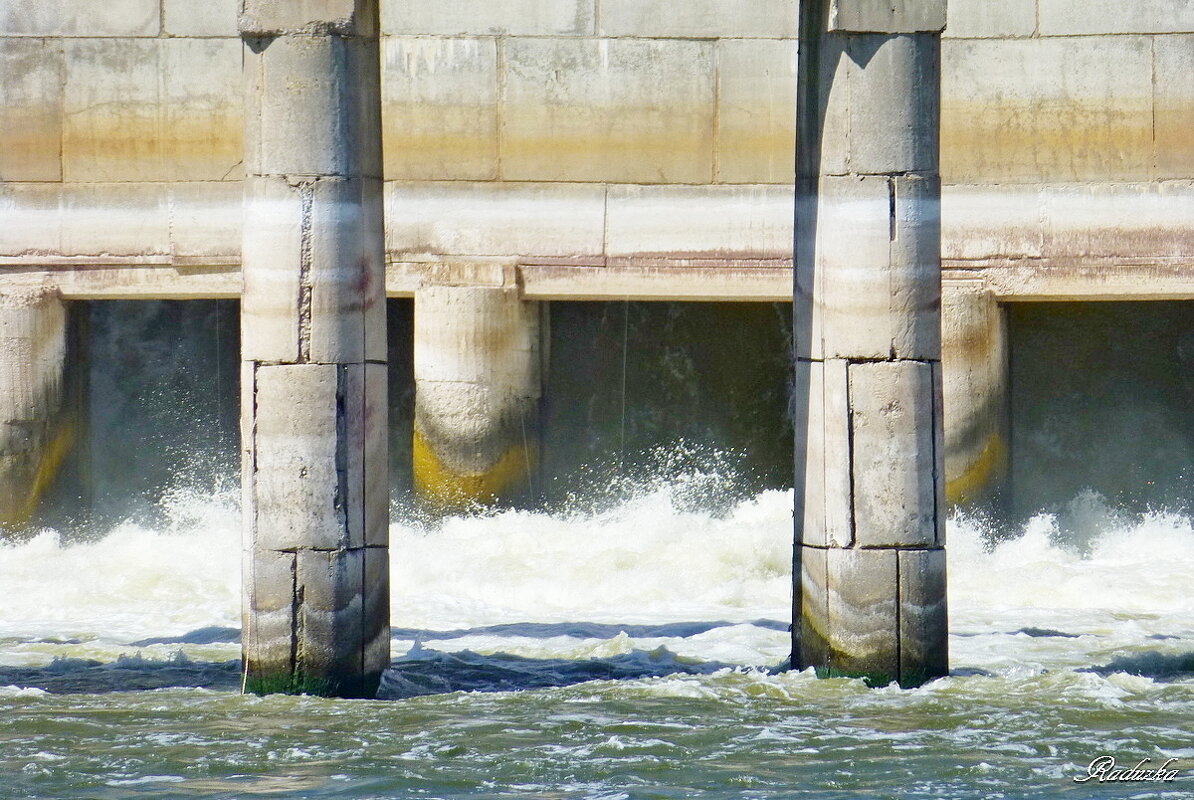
975,357
869,556
35,429
313,372
477,389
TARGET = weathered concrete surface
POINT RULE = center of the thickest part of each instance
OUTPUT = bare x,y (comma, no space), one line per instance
1069,17
620,110
151,110
440,108
756,111
886,16
313,414
477,389
66,18
36,432
215,18
731,19
868,407
30,110
1047,110
974,355
982,19
489,17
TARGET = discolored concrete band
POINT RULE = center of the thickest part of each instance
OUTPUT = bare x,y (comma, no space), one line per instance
869,558
477,391
313,380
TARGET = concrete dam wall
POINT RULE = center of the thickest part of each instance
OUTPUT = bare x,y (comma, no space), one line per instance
491,158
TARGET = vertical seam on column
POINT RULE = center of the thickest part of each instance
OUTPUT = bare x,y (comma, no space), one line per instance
899,639
852,517
1156,160
307,195
715,166
499,45
296,608
938,418
340,504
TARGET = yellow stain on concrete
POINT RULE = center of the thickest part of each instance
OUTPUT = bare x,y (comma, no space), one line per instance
446,489
980,474
48,463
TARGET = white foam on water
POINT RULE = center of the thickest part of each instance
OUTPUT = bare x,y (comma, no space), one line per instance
650,560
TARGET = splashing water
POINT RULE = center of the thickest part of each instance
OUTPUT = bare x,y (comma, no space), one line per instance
639,634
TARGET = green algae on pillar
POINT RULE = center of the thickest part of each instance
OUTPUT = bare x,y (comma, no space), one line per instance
477,390
869,558
313,374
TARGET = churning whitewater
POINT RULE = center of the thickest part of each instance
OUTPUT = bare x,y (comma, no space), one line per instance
643,641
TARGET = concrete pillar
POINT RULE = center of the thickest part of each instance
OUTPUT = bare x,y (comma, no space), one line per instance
313,372
35,431
974,355
869,557
477,388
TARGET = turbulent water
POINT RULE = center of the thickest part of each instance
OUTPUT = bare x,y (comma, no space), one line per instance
626,653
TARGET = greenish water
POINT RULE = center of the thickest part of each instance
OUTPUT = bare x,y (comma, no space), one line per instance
621,654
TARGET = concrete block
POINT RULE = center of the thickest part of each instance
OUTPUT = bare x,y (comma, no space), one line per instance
205,219
33,219
347,270
152,110
375,431
440,108
982,19
376,650
271,259
812,632
65,18
622,110
756,111
301,477
706,19
1173,96
1139,220
488,17
852,272
268,611
863,622
893,103
892,411
924,623
668,223
31,110
915,284
317,112
115,219
207,18
1038,110
319,17
202,110
331,616
525,219
1070,17
828,511
992,221
886,16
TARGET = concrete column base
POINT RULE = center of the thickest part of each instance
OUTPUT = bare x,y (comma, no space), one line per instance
35,432
975,360
477,390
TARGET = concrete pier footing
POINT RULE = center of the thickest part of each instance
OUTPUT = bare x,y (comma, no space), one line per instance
313,380
869,553
977,455
35,434
477,391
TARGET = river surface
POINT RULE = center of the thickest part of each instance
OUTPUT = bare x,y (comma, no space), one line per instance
621,653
